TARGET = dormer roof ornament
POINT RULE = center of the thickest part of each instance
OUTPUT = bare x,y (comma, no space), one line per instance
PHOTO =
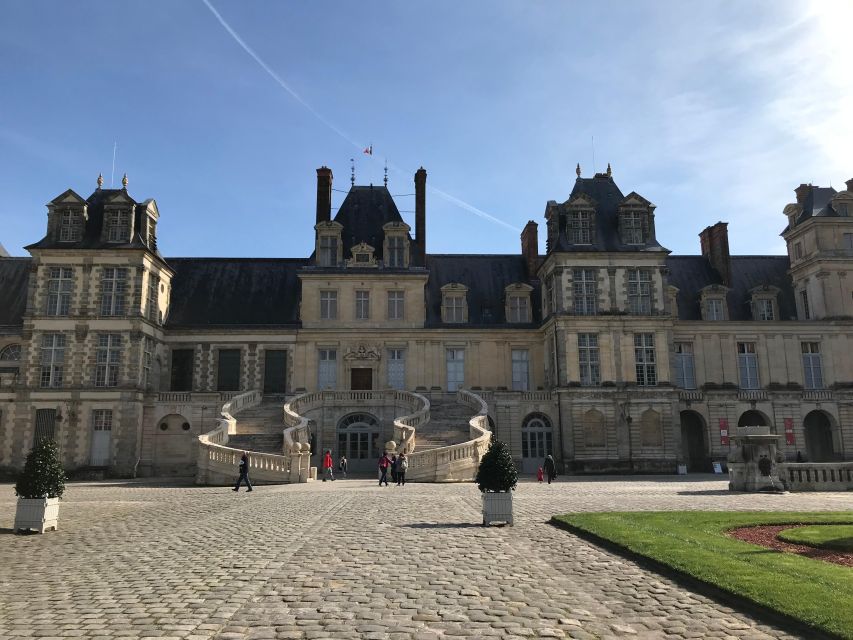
609,171
100,180
578,170
124,181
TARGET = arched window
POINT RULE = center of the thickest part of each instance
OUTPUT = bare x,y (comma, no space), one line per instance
11,352
753,418
536,436
594,434
358,437
651,433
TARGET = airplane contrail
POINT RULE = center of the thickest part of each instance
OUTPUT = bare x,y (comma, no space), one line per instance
278,79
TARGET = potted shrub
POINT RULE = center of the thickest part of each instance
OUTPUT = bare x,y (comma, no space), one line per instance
39,488
497,478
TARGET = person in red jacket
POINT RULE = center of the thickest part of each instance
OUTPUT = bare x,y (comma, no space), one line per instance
384,463
328,466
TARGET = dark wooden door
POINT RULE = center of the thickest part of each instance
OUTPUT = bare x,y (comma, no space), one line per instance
275,371
362,380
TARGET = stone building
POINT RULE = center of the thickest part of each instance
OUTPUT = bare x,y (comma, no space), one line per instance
606,350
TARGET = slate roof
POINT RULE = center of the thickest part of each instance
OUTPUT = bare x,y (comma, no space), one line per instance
14,279
486,277
692,273
607,196
209,292
363,213
3,252
818,204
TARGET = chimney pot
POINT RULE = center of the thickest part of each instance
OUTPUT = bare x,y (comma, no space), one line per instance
715,248
324,194
849,184
803,192
420,217
530,247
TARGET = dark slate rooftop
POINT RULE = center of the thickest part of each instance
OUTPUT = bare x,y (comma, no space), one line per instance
3,252
692,273
486,277
363,213
208,292
14,278
818,204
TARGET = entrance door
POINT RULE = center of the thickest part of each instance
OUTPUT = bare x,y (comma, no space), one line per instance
359,441
818,430
361,379
275,371
693,449
102,425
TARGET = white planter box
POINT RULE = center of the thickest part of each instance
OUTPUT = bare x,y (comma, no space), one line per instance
40,514
497,507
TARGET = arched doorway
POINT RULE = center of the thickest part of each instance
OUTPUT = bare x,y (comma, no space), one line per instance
359,439
694,447
536,441
818,432
753,418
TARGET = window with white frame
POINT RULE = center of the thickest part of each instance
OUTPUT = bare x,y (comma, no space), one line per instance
113,291
396,305
519,308
765,309
747,364
640,291
147,351
118,226
60,285
550,299
107,359
632,227
588,359
70,229
644,358
102,419
454,307
362,305
536,437
455,360
685,370
153,308
584,294
520,370
804,297
798,250
328,251
812,369
52,359
580,227
327,372
328,305
396,251
714,309
397,368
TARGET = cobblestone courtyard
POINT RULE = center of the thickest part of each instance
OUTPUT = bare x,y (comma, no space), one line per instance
350,560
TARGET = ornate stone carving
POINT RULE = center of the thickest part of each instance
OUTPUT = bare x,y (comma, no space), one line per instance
363,352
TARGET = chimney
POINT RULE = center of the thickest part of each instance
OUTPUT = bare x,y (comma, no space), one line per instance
530,247
420,217
324,194
803,192
715,248
849,184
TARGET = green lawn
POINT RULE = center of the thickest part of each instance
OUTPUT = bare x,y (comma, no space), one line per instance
837,537
817,593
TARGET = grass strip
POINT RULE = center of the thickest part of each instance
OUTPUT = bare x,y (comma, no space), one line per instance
836,537
694,543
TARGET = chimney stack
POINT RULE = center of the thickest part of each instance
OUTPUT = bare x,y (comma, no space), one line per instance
849,184
530,247
420,217
324,194
715,249
803,192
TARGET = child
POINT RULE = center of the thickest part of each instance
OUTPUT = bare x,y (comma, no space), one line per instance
540,476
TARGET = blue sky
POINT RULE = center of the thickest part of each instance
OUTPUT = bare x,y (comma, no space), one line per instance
713,111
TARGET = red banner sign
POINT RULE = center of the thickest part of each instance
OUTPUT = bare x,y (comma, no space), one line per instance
789,431
724,431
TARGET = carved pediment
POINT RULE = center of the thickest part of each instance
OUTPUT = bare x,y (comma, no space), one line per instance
634,199
69,197
363,352
581,201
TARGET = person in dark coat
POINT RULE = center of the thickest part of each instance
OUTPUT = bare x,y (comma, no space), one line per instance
550,468
402,467
393,468
244,472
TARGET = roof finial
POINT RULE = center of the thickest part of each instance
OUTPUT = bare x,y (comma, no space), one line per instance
578,170
100,180
386,172
352,172
609,171
124,181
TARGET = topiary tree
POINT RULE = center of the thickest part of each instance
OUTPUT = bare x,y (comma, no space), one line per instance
497,471
43,476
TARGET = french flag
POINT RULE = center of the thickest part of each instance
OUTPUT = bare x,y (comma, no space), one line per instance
369,150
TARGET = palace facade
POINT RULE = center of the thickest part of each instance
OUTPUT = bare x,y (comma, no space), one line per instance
604,350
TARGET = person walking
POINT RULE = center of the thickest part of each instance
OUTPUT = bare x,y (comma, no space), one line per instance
384,463
550,468
244,472
328,464
394,468
342,466
402,467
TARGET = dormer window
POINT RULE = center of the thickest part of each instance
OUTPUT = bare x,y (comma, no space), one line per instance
764,303
70,226
713,302
328,250
631,223
636,220
395,249
518,303
580,227
454,303
118,226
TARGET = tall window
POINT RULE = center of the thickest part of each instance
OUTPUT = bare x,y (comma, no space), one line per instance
153,296
396,251
519,309
52,359
362,305
847,245
765,309
328,251
147,350
520,370
685,371
396,302
550,299
632,227
59,286
113,291
588,359
585,298
644,357
714,309
640,291
183,363
228,370
804,296
327,372
579,227
397,368
455,368
798,250
118,226
69,227
747,363
328,305
454,308
107,359
813,372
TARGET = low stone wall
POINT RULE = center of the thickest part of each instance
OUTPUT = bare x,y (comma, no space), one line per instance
817,476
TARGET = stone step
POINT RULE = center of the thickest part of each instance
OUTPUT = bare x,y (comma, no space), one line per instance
260,442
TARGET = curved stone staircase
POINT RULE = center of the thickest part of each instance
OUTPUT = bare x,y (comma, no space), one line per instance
448,425
260,428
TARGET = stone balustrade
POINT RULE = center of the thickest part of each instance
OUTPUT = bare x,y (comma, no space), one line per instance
817,476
